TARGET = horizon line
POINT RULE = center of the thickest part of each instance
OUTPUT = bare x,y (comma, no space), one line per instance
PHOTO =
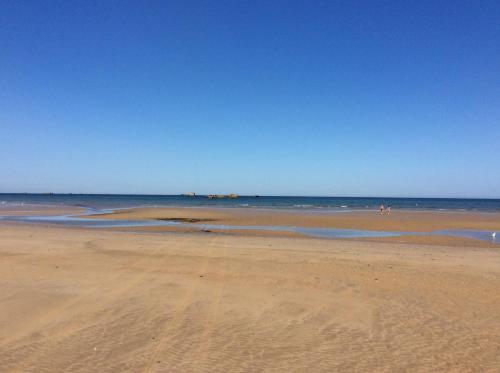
243,195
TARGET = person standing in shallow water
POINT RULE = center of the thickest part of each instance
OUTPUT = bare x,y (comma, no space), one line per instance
381,209
388,210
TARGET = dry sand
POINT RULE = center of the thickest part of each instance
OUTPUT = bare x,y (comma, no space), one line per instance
85,300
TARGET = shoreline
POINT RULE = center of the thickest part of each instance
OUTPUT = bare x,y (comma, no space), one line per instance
296,209
418,227
398,220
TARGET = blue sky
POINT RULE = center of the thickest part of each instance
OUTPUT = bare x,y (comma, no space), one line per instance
333,98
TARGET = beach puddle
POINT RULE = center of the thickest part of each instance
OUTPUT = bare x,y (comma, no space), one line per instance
476,235
83,221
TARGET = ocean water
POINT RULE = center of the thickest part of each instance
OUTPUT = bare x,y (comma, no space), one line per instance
113,201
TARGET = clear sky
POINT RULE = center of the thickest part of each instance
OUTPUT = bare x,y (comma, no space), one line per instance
333,98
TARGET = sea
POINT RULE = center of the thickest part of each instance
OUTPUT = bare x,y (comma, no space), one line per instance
117,201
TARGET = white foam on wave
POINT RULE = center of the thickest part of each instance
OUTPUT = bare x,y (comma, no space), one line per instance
11,204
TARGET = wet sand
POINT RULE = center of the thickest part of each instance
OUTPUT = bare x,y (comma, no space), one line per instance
397,221
32,210
417,221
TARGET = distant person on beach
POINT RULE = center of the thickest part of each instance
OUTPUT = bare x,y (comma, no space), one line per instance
381,209
388,209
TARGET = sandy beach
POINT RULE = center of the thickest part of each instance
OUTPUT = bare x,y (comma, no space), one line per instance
402,220
249,187
398,221
87,300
